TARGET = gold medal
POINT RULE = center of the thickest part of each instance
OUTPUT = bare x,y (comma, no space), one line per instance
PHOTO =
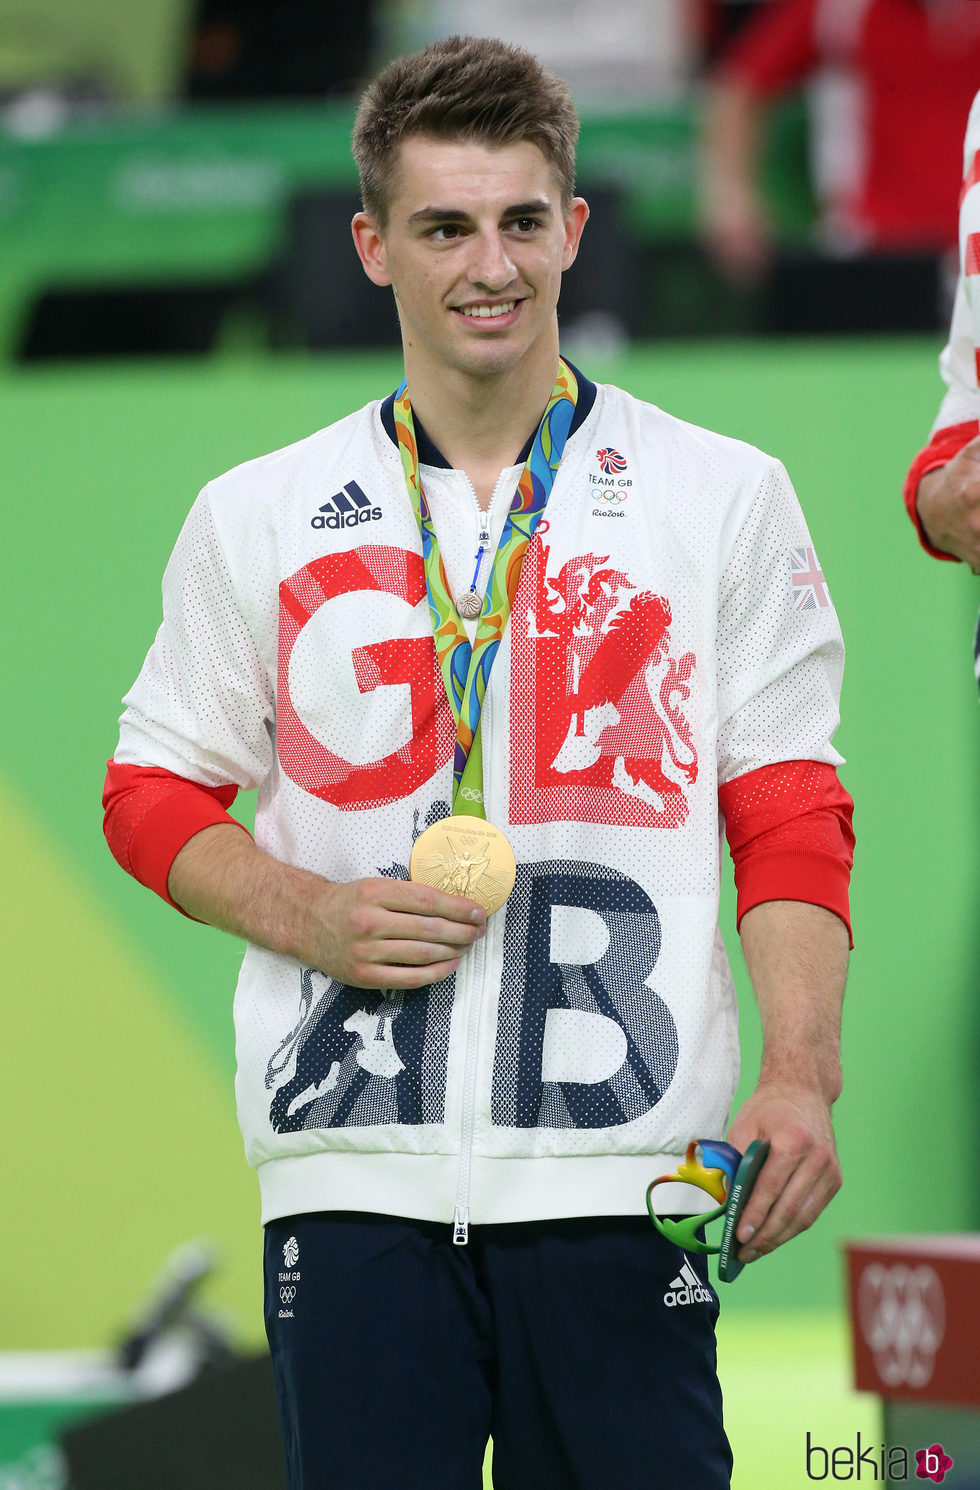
465,856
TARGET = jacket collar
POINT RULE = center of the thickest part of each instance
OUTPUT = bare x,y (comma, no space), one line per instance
430,455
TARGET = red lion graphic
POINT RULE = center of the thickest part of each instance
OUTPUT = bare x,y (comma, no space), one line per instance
598,732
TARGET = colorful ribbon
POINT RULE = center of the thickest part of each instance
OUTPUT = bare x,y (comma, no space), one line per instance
466,669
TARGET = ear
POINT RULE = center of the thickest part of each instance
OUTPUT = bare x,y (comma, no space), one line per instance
370,248
575,219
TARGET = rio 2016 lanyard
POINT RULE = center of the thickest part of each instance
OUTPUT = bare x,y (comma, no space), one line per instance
457,857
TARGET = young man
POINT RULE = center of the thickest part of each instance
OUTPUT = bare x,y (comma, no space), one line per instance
455,1114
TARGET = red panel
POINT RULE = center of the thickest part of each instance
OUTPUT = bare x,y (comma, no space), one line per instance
971,258
598,698
411,660
915,1318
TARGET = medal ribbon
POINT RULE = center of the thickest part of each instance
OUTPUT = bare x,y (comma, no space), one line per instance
466,669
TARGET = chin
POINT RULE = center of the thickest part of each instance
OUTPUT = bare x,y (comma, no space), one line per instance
493,358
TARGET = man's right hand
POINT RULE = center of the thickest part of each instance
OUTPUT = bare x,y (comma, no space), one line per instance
370,933
387,933
948,504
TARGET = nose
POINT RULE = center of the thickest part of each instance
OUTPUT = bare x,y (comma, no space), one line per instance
491,267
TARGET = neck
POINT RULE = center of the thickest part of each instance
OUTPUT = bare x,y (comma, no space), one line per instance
482,423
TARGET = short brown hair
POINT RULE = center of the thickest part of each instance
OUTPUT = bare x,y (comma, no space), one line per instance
463,88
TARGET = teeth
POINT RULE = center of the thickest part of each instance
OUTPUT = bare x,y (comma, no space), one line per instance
488,311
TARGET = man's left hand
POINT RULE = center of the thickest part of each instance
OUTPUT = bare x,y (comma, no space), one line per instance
801,1175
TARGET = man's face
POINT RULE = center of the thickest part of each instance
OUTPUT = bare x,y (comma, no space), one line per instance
475,245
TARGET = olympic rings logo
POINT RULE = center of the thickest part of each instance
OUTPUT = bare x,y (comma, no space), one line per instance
603,495
287,1294
903,1318
470,794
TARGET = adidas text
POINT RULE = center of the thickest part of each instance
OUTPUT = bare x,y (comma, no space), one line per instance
346,509
345,519
698,1295
687,1288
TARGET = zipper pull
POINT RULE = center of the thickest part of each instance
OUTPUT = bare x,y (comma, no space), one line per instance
461,1225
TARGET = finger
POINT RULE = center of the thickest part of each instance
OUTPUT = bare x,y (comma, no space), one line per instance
811,1188
774,1176
801,1210
788,1219
425,900
398,926
387,975
411,953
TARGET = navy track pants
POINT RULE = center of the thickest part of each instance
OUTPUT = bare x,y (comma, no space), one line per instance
584,1347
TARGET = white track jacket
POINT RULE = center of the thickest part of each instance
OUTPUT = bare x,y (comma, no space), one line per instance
672,631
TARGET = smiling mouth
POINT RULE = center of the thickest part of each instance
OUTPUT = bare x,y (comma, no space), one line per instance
484,311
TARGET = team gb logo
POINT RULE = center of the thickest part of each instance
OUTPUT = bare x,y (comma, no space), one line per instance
611,462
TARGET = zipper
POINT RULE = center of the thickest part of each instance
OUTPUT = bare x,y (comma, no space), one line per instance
461,1213
482,541
482,545
461,1225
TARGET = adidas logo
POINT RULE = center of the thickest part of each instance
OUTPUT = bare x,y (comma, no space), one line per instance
346,509
687,1288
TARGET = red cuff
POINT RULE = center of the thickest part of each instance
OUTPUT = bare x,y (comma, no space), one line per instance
790,835
944,444
151,813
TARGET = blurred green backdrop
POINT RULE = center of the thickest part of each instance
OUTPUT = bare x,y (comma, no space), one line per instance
136,50
118,1104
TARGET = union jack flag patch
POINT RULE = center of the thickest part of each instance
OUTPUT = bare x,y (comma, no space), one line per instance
809,586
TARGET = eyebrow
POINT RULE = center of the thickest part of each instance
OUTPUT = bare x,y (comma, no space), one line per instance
540,207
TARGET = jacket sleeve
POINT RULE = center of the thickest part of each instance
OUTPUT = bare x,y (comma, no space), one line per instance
150,814
198,722
958,420
790,835
780,664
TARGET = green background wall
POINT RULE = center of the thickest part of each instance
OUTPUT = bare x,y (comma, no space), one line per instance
136,49
118,1119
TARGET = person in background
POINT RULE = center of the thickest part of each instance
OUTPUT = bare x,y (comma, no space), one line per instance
942,489
893,80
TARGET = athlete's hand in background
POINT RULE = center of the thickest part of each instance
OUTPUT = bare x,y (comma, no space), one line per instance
948,503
